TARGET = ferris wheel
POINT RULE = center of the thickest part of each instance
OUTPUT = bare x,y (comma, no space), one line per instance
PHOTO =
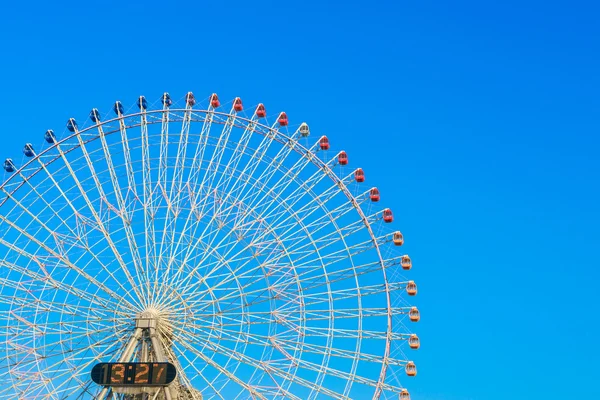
178,250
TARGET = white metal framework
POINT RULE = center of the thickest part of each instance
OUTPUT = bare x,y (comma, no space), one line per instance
266,267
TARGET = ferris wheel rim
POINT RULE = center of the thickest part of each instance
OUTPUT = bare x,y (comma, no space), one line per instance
303,151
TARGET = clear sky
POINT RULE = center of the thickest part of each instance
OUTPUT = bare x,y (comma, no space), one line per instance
478,120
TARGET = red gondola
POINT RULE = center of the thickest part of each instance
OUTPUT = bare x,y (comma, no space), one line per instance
387,216
374,194
343,158
237,104
324,143
282,119
190,99
261,112
359,175
214,100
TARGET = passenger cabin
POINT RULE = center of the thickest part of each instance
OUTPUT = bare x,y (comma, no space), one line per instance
404,395
387,216
304,129
411,369
414,315
324,143
237,104
118,108
166,100
343,158
398,238
190,100
413,342
406,262
214,101
261,111
374,194
71,124
359,175
9,166
142,103
28,150
282,119
411,288
95,115
49,136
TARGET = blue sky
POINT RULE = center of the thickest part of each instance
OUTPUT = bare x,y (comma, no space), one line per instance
478,121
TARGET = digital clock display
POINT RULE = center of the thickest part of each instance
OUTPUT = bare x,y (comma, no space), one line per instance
134,374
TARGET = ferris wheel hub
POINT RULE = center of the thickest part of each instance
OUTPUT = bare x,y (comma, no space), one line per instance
154,318
147,319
